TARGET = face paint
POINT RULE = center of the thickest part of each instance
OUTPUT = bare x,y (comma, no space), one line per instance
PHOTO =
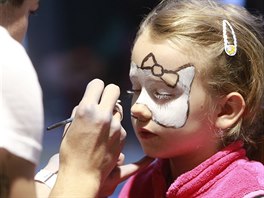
172,113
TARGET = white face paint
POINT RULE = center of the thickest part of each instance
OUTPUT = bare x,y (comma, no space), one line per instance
169,105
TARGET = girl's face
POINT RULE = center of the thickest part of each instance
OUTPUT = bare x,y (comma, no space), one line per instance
169,112
15,19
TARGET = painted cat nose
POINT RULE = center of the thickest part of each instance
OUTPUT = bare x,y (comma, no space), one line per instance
140,112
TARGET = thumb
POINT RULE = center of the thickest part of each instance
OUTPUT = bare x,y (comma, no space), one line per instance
130,169
69,124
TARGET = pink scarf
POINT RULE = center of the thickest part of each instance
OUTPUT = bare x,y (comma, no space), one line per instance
228,173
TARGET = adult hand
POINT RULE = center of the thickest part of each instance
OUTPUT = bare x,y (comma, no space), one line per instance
119,174
122,172
91,147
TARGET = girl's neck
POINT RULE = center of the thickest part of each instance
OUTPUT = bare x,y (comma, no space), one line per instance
184,163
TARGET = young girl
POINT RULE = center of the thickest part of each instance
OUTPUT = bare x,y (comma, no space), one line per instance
197,75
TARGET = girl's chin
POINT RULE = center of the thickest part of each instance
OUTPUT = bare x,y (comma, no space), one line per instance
151,152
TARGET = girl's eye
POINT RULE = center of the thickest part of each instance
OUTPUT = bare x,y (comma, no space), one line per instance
163,96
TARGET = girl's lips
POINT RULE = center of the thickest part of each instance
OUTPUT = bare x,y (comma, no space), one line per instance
145,134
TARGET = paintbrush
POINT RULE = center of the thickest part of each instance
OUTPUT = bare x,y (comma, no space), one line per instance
117,108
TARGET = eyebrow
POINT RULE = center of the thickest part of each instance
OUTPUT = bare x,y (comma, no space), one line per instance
150,78
166,70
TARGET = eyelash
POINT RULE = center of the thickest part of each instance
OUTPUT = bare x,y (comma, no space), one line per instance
131,92
157,95
163,96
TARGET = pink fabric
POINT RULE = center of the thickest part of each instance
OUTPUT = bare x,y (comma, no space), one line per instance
228,173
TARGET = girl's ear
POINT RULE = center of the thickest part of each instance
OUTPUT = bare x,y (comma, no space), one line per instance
230,109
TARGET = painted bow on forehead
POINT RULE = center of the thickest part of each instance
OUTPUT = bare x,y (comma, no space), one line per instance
168,76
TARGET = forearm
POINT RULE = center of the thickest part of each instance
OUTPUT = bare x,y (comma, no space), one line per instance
74,184
16,175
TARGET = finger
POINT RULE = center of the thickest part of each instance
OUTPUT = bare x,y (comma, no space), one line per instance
118,115
93,92
117,131
73,111
68,125
109,97
118,112
123,135
130,169
121,159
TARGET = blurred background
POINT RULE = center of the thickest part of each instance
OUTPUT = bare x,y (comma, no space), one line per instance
73,42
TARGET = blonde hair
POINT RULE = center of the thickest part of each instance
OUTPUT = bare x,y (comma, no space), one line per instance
198,23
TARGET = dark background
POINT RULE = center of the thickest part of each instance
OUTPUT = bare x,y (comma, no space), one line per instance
73,42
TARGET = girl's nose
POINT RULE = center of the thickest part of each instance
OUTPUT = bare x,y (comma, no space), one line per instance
141,112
